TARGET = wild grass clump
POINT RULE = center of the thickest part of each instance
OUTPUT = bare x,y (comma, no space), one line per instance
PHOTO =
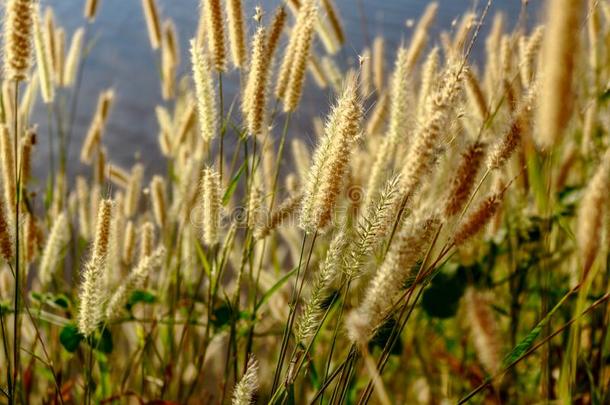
447,239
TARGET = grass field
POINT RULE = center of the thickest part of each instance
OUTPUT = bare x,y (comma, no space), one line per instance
446,239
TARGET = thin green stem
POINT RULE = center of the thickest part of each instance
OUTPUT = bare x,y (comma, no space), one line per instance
286,334
543,342
222,133
545,207
398,328
331,378
263,251
51,150
291,378
278,162
16,332
335,334
9,377
210,308
192,308
341,387
89,375
295,301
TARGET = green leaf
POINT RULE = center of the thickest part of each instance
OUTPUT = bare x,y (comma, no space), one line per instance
59,300
70,337
523,346
233,185
221,315
105,369
537,179
441,299
526,343
37,296
5,308
474,273
101,341
62,301
104,343
314,378
203,259
291,399
274,288
146,297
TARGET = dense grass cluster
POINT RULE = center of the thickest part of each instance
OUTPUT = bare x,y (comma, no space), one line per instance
446,240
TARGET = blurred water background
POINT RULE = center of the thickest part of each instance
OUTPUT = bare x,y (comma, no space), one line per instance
121,58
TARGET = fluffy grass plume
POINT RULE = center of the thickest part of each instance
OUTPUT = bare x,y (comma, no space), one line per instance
275,30
379,63
303,33
334,19
92,292
484,330
400,114
52,251
159,204
212,10
423,148
255,93
420,35
560,45
91,7
134,280
476,220
331,160
73,58
592,214
17,36
463,180
8,167
244,391
44,61
6,245
385,286
312,312
210,206
206,95
237,34
60,55
373,227
97,126
348,255
153,22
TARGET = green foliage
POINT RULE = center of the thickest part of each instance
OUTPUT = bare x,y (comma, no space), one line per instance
102,341
221,315
70,337
60,300
441,299
146,297
5,308
188,341
523,346
278,284
382,337
233,185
